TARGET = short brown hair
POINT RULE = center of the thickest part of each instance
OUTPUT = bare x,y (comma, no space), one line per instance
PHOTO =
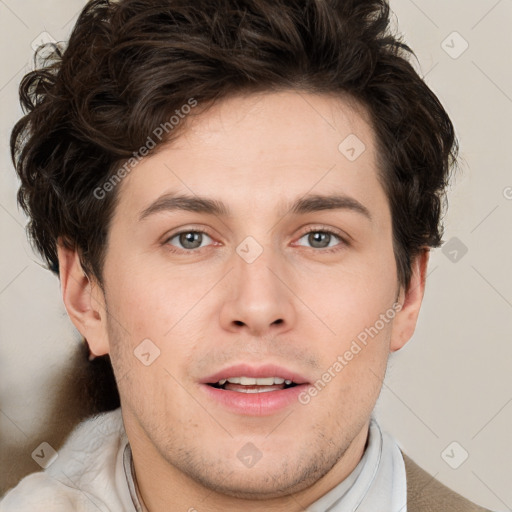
130,64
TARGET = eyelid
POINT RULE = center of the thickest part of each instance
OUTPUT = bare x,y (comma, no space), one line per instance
186,229
189,229
342,236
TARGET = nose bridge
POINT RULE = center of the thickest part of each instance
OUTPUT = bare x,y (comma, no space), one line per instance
256,268
258,297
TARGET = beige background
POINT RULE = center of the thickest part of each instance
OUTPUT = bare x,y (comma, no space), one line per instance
452,383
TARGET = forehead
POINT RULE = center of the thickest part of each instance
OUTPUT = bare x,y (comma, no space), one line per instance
254,149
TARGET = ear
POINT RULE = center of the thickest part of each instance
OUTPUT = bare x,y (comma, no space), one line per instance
411,299
84,300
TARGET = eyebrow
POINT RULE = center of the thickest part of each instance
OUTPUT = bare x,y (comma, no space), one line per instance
307,204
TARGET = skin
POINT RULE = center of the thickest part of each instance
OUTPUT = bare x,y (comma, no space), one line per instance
207,308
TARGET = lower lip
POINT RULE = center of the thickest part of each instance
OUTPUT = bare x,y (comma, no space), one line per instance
255,404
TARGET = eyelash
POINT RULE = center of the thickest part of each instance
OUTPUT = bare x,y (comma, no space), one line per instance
343,240
177,250
336,234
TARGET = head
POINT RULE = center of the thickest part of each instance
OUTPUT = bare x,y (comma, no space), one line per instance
253,185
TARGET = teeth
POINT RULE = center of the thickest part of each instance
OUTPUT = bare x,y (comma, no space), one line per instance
255,390
251,381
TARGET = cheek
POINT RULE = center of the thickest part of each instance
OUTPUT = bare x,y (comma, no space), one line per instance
149,303
349,301
358,306
351,377
163,317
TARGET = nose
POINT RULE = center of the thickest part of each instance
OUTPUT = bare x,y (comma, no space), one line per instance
259,300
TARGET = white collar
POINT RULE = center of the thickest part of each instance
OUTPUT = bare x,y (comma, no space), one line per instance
378,482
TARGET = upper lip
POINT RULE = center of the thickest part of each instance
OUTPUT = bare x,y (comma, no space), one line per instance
245,370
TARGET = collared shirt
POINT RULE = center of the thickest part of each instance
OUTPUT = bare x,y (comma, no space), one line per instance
377,483
93,471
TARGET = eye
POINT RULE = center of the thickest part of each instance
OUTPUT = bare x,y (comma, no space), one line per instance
188,240
322,238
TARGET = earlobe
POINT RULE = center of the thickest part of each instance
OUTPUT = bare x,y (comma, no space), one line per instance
411,300
83,299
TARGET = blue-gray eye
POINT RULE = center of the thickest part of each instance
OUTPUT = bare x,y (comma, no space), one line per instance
189,239
321,239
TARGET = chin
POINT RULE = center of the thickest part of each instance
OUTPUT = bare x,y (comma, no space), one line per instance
274,478
262,487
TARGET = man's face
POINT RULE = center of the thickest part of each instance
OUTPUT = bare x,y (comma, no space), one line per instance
256,295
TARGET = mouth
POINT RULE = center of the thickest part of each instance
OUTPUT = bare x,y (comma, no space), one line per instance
254,391
253,385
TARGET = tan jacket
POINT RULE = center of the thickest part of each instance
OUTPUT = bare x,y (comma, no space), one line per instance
425,494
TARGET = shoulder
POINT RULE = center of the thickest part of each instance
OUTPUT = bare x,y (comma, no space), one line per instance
87,458
426,494
40,493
